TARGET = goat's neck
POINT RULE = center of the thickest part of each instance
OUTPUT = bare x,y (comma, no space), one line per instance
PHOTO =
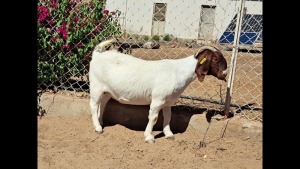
186,69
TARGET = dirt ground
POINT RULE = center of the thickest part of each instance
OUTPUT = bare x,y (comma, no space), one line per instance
66,139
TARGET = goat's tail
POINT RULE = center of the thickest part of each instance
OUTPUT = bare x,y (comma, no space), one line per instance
103,45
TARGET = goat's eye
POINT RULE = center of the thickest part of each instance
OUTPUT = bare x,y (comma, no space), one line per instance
216,60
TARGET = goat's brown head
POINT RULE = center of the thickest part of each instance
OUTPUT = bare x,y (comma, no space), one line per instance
210,62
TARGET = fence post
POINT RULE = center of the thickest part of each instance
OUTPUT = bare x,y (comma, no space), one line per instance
234,56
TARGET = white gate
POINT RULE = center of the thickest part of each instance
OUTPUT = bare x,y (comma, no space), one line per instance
159,19
207,20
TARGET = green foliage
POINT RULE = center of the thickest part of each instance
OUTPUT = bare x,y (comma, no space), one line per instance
145,37
67,34
167,37
135,37
156,37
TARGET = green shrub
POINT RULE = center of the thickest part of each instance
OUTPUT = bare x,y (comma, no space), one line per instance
167,37
156,37
136,37
68,33
145,37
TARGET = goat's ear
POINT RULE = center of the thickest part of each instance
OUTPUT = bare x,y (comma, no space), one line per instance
203,65
215,58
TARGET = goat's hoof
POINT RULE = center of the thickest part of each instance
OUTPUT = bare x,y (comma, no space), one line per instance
172,137
99,132
150,141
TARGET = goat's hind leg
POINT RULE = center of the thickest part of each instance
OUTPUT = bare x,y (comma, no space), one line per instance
98,102
103,101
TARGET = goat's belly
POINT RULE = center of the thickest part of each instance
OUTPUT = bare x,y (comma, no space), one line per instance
132,101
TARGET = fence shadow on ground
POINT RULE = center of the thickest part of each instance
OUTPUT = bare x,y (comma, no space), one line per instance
136,117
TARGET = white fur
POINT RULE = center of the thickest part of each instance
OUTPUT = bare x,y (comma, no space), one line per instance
131,80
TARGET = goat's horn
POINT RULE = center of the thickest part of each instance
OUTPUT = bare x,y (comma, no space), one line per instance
201,49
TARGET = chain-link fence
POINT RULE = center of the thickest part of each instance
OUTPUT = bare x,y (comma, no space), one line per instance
68,31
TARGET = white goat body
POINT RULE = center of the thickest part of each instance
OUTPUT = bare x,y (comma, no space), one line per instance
131,80
135,81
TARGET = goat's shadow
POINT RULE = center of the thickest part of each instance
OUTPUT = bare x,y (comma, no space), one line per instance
136,117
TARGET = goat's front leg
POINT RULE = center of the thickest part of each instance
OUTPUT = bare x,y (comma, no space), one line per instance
166,125
153,115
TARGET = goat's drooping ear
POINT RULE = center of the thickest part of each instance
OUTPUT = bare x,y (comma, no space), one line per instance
204,63
202,49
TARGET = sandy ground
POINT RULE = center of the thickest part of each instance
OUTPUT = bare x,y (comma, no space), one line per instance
66,139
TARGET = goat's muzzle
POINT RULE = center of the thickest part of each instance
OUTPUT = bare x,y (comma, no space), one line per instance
223,76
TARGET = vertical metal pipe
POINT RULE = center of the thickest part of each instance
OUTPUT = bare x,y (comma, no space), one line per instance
236,41
125,14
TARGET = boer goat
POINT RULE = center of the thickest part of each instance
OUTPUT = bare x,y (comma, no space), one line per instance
131,80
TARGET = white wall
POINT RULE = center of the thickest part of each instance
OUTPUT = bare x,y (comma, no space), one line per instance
138,16
182,16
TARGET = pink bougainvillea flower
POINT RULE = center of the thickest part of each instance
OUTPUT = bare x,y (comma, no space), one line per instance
63,31
70,53
79,45
65,47
54,39
86,56
51,22
64,25
98,28
43,13
42,8
76,19
54,4
105,11
65,35
90,35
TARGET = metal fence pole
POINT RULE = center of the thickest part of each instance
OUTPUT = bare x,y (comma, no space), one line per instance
234,56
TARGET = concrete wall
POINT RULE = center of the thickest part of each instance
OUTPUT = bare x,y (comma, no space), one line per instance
182,16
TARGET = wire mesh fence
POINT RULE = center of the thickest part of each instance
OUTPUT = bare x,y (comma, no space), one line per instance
68,31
